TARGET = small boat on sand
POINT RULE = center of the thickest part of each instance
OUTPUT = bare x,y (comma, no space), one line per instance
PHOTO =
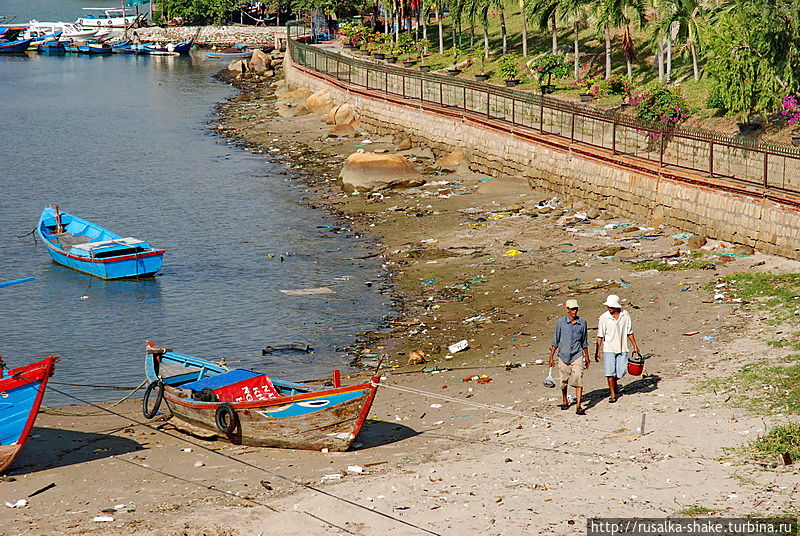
21,393
85,246
242,54
209,400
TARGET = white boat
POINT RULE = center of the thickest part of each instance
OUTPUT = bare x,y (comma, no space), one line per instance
68,30
109,17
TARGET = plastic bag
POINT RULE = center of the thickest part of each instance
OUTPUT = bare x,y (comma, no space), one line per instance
549,381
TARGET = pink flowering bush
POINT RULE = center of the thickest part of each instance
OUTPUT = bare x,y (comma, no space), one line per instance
790,107
616,85
660,105
590,83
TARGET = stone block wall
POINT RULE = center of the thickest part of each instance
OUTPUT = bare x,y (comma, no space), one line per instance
218,35
625,191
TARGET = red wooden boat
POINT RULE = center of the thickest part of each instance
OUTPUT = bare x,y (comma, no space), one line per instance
21,393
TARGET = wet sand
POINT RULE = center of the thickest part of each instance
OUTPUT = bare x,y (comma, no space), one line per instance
442,455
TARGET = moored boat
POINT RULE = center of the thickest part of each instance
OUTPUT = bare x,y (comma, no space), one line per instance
110,17
21,393
154,49
87,47
229,55
85,246
12,40
68,30
209,400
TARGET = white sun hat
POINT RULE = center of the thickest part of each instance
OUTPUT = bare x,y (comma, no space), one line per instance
572,304
613,301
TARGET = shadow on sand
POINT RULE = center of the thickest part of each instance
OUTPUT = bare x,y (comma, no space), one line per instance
47,448
378,433
645,384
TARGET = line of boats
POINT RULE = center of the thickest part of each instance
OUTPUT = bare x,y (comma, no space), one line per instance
203,397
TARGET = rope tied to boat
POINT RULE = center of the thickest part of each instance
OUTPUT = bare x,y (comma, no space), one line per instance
51,411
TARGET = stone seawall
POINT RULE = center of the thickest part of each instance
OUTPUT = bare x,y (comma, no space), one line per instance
274,36
639,191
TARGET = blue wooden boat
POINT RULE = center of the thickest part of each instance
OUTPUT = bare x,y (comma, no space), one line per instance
209,400
88,48
52,47
89,248
229,55
10,40
21,393
154,49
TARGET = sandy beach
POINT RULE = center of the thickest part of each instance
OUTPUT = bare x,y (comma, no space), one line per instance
469,442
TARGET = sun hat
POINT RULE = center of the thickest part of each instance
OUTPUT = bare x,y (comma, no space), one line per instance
613,301
572,304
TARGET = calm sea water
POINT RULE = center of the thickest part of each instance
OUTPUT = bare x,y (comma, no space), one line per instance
123,141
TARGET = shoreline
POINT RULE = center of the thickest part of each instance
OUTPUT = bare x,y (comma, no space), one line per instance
443,452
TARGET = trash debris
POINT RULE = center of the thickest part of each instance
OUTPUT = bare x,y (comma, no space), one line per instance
308,291
538,362
512,253
198,463
22,503
187,449
290,347
42,490
549,381
436,405
355,469
416,357
707,338
333,476
483,378
103,519
458,346
690,333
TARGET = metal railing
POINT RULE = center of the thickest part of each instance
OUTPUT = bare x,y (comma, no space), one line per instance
770,170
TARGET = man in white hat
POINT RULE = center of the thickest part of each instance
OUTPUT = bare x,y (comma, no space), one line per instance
571,340
614,330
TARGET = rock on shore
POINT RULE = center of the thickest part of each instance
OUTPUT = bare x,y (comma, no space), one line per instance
369,172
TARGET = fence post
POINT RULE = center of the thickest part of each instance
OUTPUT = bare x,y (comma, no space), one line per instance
366,71
422,89
513,111
404,86
766,184
386,82
464,96
614,137
572,128
488,112
541,115
661,152
441,100
711,158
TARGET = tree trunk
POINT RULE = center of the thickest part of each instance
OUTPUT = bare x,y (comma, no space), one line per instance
576,47
441,30
660,60
452,26
486,40
555,34
425,24
693,50
386,17
669,59
524,28
503,30
629,66
608,53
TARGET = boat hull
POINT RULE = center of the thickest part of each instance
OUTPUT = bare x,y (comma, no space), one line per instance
141,265
20,45
324,419
21,393
228,55
128,263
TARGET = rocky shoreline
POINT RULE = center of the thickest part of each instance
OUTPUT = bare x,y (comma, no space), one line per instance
458,441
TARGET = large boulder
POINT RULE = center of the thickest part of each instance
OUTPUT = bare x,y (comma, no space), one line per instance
343,114
344,130
369,172
238,66
291,111
455,161
260,57
320,103
296,97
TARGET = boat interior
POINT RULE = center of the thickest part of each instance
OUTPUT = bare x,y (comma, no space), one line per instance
90,240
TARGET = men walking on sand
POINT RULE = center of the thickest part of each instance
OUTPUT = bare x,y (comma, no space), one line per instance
571,341
614,330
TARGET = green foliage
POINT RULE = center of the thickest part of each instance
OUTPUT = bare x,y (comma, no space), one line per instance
662,105
508,66
616,85
681,264
405,44
754,55
355,33
549,66
200,12
455,52
779,440
479,53
695,511
764,387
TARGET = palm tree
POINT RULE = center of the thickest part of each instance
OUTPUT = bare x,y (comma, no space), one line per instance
613,14
524,27
678,21
546,12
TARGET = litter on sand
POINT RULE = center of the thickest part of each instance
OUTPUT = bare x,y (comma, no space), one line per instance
308,291
458,346
511,253
103,519
22,503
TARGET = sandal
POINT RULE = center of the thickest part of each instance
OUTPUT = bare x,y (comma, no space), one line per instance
563,406
611,400
580,411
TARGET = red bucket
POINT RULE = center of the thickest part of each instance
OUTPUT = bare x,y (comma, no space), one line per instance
635,365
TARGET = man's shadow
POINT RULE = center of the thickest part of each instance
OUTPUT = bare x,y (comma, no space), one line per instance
646,384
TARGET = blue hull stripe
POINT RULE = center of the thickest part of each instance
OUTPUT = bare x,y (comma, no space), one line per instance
16,406
311,405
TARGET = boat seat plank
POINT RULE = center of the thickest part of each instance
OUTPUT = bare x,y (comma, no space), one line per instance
220,380
70,240
128,241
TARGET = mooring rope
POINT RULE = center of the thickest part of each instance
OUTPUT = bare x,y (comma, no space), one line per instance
50,411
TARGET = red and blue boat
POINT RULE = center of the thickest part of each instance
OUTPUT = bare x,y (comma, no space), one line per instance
86,247
207,399
10,40
21,393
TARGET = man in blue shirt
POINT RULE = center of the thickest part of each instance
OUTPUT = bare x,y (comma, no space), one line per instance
570,340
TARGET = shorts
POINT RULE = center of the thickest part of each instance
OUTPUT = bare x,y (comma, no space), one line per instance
615,364
571,373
